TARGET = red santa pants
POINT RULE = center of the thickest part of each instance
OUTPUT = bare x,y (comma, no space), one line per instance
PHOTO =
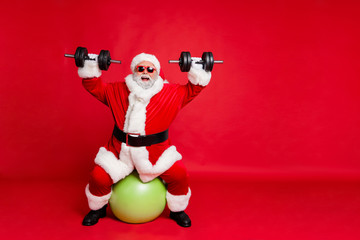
176,178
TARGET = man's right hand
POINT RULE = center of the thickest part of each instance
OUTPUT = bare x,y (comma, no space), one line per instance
91,68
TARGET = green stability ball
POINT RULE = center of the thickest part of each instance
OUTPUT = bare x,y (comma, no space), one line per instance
134,201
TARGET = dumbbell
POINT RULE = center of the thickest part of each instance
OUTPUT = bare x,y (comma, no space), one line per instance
207,60
104,59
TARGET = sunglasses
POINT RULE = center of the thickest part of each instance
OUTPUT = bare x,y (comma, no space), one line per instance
142,68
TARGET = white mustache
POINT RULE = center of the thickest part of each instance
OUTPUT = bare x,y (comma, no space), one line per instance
143,76
142,83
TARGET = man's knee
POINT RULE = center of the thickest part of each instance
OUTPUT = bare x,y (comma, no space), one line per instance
99,178
177,179
178,173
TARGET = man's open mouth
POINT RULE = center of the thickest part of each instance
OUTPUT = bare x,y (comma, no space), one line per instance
145,78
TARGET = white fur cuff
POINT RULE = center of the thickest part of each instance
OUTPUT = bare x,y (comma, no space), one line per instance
96,202
91,68
146,170
199,76
178,203
116,168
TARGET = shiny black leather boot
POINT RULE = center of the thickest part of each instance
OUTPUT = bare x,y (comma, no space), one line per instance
93,216
181,218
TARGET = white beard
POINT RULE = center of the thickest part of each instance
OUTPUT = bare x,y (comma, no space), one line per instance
145,84
141,93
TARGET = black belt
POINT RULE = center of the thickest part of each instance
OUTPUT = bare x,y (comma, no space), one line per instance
140,140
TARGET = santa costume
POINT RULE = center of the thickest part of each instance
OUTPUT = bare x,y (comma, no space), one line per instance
140,137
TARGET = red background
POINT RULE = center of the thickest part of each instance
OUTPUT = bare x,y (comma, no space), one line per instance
285,103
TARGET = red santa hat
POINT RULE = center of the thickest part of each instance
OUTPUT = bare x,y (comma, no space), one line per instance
145,57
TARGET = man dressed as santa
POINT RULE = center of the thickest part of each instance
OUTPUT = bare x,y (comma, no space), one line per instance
143,108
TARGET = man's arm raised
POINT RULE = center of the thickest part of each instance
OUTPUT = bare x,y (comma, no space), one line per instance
91,80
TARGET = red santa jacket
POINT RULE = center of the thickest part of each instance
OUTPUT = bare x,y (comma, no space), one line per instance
136,110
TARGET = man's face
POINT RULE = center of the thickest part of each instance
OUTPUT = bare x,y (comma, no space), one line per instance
145,74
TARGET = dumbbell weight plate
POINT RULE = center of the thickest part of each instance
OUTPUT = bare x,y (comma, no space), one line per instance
104,60
208,61
185,61
80,56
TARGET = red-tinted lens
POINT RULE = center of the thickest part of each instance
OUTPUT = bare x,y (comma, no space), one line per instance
150,69
140,69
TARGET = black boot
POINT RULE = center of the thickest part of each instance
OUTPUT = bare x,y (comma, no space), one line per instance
181,218
93,216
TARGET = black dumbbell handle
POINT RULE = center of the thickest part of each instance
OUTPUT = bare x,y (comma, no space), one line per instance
73,56
215,61
87,58
198,62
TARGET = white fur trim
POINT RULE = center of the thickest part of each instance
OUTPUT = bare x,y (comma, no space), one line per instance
199,76
143,94
145,57
146,170
136,115
116,168
178,203
139,98
135,120
96,202
91,68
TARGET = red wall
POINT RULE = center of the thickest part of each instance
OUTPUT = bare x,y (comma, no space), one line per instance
284,103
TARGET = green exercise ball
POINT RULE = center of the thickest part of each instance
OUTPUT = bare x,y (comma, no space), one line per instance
134,201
